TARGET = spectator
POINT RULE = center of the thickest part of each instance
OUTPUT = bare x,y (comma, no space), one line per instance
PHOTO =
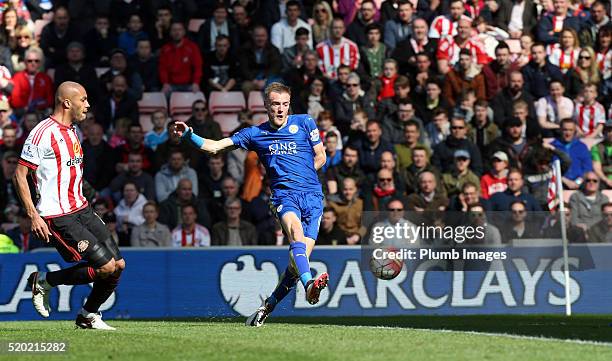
349,167
466,75
167,178
162,153
589,114
515,91
420,163
412,134
119,236
234,231
483,130
189,233
552,227
128,39
214,27
242,19
551,24
427,198
348,208
182,10
119,66
385,84
9,201
478,218
497,72
322,16
512,142
170,210
382,192
439,128
29,121
496,179
229,189
259,61
180,62
599,20
373,52
134,174
161,31
99,41
9,139
602,156
337,50
202,122
523,18
334,155
497,13
578,152
300,79
446,25
585,72
77,70
407,50
293,56
352,99
387,161
427,106
99,155
371,148
539,72
159,133
145,63
283,32
314,100
551,109
387,109
330,233
220,67
32,88
443,152
151,233
22,235
399,28
449,48
501,201
24,40
460,174
565,53
357,30
134,144
587,203
602,231
56,36
338,86
129,209
521,226
461,202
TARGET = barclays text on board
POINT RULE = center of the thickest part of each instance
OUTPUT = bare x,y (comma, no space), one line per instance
225,282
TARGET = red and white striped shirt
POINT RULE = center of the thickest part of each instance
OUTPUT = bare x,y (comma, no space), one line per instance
605,63
198,237
332,56
54,152
441,27
562,58
448,49
589,117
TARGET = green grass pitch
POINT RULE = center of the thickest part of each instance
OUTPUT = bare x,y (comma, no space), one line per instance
516,338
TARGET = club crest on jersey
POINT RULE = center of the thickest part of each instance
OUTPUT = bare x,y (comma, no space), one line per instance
82,245
76,148
293,129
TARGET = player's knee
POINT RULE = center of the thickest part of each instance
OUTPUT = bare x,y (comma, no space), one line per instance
107,269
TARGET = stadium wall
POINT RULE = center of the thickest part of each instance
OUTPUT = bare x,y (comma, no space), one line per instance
228,282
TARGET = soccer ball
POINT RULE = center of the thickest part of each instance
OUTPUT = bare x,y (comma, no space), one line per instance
386,269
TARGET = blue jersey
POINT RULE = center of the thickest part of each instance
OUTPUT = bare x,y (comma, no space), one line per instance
286,153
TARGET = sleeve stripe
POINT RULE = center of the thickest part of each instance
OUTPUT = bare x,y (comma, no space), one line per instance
25,163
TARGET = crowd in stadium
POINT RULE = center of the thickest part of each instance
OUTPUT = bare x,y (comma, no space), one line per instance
423,105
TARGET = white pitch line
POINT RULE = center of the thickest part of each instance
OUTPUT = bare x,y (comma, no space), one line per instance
507,335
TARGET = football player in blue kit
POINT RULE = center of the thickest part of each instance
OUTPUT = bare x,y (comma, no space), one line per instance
291,151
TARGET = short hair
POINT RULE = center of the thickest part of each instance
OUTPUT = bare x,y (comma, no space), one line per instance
222,37
301,31
419,147
475,205
293,3
330,209
404,2
151,204
325,114
481,103
372,121
515,170
468,185
566,121
331,135
231,200
351,148
537,43
373,26
135,153
520,104
606,205
354,76
439,111
275,87
187,205
412,123
502,45
517,201
559,81
433,81
402,81
390,61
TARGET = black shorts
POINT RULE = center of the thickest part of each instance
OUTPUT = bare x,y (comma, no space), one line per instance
82,236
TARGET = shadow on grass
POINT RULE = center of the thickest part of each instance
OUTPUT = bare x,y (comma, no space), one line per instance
581,327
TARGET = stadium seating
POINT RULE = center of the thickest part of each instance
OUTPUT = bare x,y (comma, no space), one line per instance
194,25
181,102
51,73
227,121
100,71
149,103
567,194
256,102
226,102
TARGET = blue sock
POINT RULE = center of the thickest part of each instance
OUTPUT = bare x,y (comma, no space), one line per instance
298,250
285,285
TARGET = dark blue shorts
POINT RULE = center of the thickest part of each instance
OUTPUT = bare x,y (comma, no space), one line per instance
307,206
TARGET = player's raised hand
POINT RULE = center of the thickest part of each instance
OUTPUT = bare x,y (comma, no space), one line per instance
179,128
40,228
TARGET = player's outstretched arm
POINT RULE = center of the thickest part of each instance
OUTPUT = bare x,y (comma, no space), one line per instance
205,145
20,180
320,157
